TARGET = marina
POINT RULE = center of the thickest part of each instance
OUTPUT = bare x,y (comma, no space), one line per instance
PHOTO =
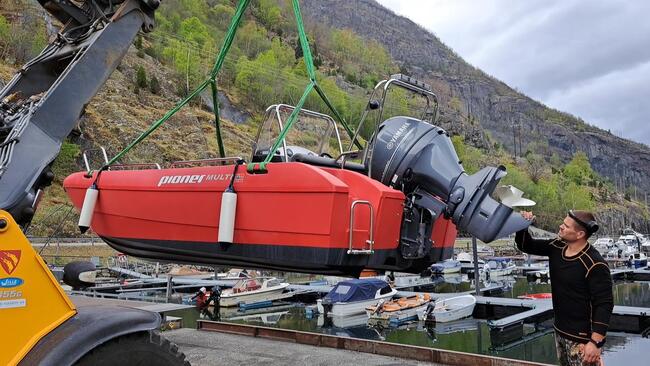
500,324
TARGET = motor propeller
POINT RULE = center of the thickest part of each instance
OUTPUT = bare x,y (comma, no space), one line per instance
511,196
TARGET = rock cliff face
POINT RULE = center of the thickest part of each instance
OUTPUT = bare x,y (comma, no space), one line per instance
495,105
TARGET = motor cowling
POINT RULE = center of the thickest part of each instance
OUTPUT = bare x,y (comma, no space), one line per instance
419,159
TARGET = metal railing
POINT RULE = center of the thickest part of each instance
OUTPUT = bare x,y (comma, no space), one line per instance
371,240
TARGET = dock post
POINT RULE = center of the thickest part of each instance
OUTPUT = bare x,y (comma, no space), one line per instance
169,288
476,273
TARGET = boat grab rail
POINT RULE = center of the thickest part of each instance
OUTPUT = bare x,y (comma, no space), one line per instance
134,166
85,157
354,154
371,240
205,162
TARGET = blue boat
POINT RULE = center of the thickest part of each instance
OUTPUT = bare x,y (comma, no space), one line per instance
353,296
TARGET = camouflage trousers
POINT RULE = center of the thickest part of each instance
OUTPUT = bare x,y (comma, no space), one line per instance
570,353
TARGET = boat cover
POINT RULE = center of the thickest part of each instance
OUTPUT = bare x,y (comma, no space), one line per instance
446,264
355,290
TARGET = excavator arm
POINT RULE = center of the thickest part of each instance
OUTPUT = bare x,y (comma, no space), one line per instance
42,103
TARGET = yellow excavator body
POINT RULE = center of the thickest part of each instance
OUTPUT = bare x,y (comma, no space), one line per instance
32,303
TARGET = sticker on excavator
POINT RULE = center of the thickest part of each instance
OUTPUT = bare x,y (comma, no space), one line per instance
31,301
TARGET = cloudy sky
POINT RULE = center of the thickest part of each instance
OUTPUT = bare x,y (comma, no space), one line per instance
588,58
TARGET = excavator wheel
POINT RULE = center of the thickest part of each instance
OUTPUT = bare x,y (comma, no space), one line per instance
136,349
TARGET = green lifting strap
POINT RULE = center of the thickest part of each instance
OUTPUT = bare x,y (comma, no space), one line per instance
309,63
243,4
212,82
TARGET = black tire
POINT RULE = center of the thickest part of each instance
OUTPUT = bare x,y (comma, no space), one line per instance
137,349
71,273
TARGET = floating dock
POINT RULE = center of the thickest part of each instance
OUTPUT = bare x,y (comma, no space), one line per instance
300,348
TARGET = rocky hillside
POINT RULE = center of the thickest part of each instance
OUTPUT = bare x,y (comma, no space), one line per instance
265,68
492,103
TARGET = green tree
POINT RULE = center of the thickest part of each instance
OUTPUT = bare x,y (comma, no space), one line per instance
536,167
270,14
141,77
194,31
187,62
221,16
154,85
252,39
575,196
4,35
578,170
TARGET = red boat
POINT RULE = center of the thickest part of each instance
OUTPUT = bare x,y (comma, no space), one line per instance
396,210
296,215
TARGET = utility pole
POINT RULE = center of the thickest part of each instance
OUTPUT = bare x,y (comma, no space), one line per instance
521,152
514,138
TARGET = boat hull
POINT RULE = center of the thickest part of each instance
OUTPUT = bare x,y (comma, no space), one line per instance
294,217
396,317
451,309
229,299
340,309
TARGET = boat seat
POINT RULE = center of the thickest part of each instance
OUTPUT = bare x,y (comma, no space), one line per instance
327,162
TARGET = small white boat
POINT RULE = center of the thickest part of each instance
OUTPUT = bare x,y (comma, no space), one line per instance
252,290
450,309
603,245
638,260
621,250
484,250
499,267
353,296
233,276
402,280
467,258
445,267
398,311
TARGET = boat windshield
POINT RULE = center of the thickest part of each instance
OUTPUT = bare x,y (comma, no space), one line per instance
342,289
273,282
247,285
311,134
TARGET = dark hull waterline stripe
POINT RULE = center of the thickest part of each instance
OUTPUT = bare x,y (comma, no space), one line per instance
333,261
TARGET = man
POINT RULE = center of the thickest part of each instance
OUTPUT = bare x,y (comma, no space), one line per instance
581,286
215,297
201,298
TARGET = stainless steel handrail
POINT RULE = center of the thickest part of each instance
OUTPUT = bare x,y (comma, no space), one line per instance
202,162
135,166
348,154
85,156
371,241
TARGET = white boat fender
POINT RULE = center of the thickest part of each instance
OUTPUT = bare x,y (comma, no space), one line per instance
88,208
228,210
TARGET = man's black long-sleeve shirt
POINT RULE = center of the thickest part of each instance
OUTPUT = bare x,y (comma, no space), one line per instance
581,285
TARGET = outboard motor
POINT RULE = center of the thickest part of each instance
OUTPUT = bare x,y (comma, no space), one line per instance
419,159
